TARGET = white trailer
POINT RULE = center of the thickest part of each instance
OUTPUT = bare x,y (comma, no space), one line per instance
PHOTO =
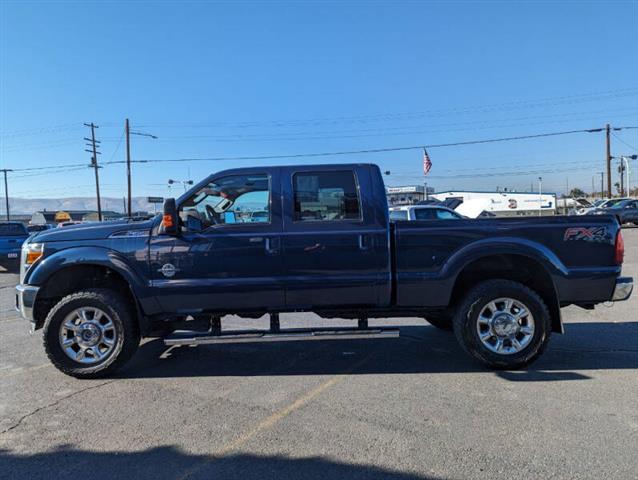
501,204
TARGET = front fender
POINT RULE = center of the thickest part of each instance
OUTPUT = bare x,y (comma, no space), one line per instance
68,257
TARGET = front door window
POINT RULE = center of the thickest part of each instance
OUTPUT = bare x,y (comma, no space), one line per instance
236,199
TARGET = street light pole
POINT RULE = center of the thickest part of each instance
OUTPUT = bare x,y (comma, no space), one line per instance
128,133
626,160
540,195
128,168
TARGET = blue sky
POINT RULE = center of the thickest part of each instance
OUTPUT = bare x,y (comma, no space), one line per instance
259,78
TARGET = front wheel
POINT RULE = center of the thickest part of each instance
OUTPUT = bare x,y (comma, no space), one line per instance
503,324
90,334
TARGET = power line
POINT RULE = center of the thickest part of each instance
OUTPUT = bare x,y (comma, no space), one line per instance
508,174
373,150
337,153
392,131
549,101
626,143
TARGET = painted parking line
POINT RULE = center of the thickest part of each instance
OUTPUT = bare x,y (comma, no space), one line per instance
276,417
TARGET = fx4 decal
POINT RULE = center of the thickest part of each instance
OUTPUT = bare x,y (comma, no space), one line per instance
591,234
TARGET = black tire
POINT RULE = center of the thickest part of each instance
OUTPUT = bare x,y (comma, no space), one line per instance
466,318
126,327
441,320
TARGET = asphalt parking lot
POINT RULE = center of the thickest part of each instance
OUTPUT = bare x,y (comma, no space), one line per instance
409,408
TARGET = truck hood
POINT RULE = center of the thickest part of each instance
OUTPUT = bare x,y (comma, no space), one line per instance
92,231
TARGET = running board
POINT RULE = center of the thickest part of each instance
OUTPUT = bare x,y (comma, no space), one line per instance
288,335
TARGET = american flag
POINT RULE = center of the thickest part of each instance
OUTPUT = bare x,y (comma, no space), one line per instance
427,163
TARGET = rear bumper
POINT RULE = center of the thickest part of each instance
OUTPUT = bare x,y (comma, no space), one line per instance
25,300
622,290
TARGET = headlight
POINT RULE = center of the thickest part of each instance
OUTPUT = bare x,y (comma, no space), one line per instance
33,251
30,254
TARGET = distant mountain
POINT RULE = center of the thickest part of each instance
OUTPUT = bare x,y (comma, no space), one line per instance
24,206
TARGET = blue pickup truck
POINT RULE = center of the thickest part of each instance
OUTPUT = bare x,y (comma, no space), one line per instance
12,234
323,242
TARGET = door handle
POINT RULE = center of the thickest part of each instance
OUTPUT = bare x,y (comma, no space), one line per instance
272,245
364,242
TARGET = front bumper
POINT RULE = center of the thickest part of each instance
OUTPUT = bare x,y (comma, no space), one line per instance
622,290
25,300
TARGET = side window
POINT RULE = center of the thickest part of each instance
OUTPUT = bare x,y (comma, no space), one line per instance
424,214
325,196
236,199
398,215
446,215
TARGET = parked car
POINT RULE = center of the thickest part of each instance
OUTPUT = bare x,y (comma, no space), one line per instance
328,247
12,235
423,212
602,204
624,210
39,227
259,216
69,223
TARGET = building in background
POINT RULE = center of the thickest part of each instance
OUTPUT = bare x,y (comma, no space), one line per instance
53,217
407,195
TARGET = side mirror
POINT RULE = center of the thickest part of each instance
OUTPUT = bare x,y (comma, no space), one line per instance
170,220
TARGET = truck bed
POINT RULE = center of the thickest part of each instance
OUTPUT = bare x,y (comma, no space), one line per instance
576,252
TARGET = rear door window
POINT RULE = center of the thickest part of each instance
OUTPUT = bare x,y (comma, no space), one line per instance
325,196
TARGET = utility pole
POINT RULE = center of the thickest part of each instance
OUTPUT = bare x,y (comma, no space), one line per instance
621,171
608,141
128,134
602,183
128,168
6,189
95,165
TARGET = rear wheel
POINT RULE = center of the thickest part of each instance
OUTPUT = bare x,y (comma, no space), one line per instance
91,333
503,324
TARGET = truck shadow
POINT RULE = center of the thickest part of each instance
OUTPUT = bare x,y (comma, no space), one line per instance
170,462
421,349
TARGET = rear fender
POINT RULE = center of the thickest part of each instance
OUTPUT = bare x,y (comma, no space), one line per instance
512,246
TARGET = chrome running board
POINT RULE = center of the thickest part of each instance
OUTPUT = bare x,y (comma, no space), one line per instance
287,335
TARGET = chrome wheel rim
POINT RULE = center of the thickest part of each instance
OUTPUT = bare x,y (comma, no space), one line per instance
505,326
88,335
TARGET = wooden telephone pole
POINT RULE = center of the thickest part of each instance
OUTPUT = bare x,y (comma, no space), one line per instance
95,166
6,189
